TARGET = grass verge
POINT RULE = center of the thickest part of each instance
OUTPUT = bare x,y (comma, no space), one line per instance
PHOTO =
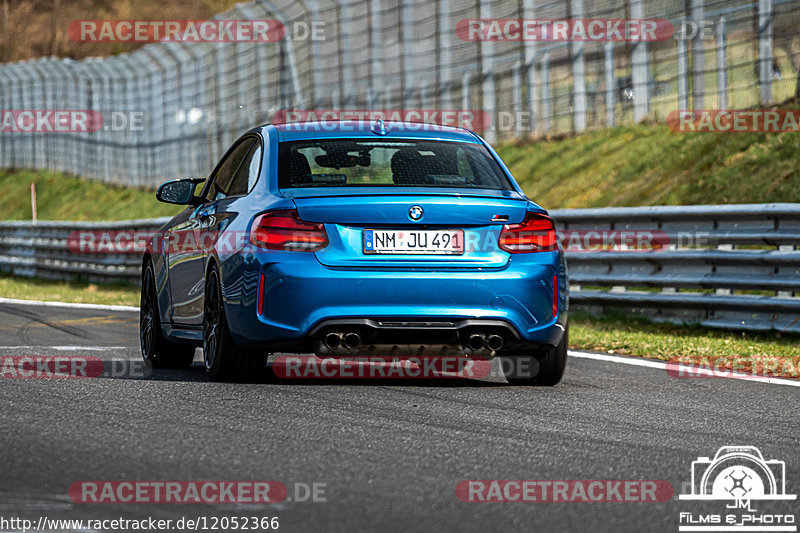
63,197
626,335
68,291
649,164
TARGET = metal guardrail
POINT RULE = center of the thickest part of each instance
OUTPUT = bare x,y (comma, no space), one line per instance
41,249
733,266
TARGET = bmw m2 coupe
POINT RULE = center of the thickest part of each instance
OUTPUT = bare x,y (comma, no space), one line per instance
343,239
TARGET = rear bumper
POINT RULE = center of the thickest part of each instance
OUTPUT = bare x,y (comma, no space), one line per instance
300,295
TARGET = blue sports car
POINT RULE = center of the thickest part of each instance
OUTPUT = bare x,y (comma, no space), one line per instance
347,238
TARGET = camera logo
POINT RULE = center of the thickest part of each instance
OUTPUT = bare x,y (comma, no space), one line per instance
738,473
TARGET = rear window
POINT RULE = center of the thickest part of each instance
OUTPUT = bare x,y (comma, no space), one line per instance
368,163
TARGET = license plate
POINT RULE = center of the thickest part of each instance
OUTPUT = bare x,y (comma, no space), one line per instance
423,242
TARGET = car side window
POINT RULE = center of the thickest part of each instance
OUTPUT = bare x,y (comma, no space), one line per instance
223,179
247,175
255,168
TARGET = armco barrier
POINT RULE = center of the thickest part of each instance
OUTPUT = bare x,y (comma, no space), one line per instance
732,266
39,249
729,266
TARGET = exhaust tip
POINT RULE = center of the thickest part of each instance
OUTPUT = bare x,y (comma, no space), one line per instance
494,342
351,341
476,341
333,340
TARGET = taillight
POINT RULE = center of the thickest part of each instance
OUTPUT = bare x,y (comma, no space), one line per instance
536,233
283,230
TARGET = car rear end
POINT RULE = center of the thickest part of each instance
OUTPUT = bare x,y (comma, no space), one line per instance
403,243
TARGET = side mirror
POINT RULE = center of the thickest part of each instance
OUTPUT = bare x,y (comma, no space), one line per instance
179,191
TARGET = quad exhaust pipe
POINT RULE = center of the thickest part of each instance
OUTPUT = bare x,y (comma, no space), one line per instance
334,339
352,340
492,343
476,341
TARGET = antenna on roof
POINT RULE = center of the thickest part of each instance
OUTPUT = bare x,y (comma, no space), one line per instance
379,127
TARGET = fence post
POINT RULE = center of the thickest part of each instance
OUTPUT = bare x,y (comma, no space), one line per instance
683,71
529,63
698,57
424,94
516,92
134,64
611,93
487,77
765,50
218,115
547,104
105,79
722,66
164,124
26,144
466,104
15,151
640,72
38,98
579,73
445,58
179,108
263,84
298,100
376,53
345,51
315,48
407,35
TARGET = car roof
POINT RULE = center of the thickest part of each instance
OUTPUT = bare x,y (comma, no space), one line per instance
337,129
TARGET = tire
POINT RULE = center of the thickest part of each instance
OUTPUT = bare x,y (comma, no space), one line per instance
157,351
222,358
550,367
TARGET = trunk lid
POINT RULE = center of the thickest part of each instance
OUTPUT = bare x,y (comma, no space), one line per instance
347,216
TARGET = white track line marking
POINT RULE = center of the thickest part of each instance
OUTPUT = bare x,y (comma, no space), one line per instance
637,361
662,365
128,308
68,348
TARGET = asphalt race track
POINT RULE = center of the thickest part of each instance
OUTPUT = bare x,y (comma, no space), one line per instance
389,454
